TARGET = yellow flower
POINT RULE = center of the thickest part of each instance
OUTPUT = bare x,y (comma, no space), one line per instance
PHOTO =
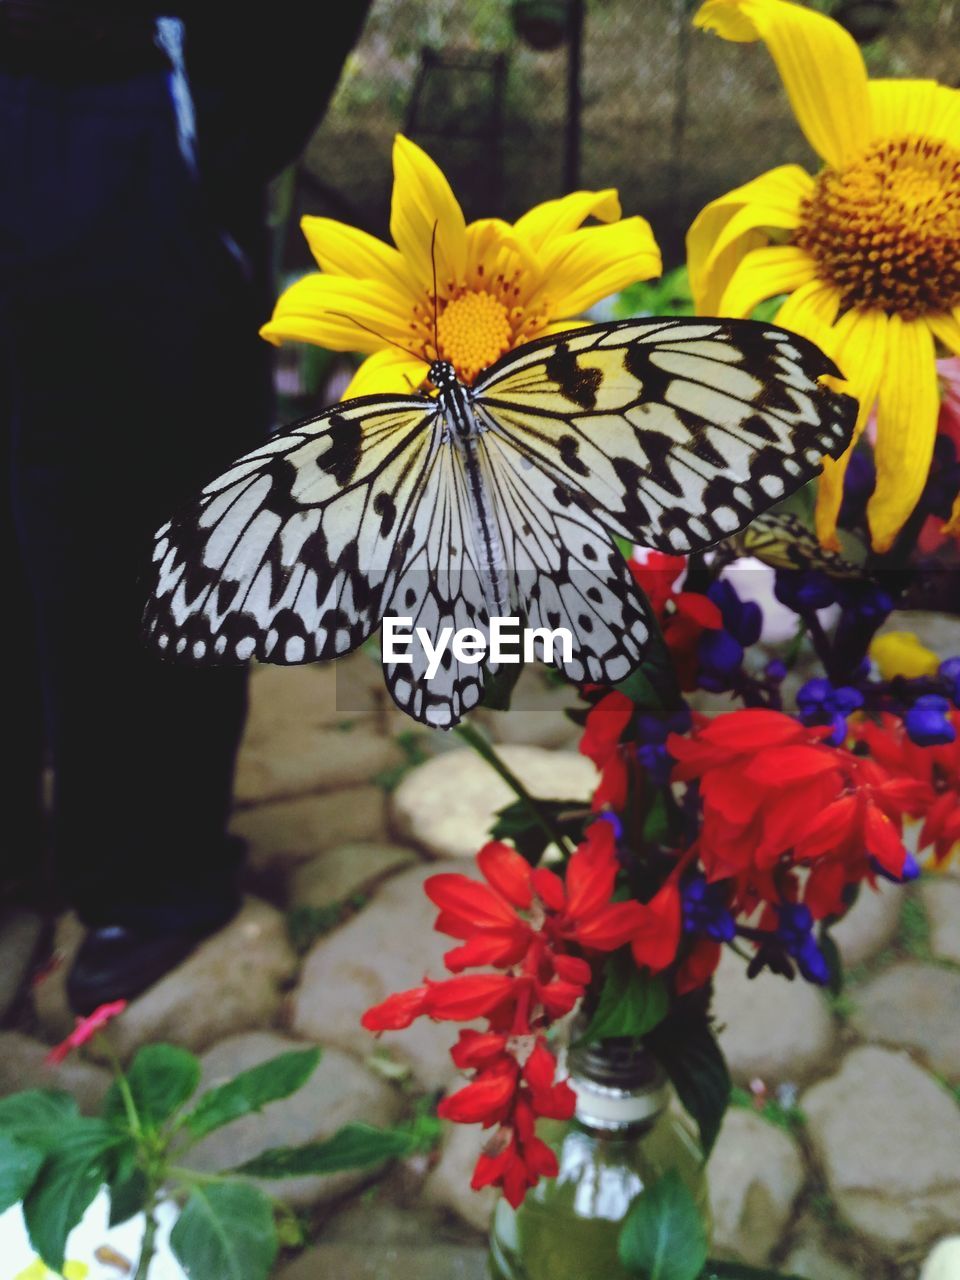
497,285
900,653
38,1270
868,251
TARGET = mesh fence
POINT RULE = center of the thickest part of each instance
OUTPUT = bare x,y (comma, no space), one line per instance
670,116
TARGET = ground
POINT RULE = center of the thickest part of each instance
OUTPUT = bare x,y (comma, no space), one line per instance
840,1159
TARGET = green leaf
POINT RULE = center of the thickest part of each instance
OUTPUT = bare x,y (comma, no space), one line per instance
498,688
631,1003
37,1117
688,1051
656,825
251,1090
71,1176
19,1166
352,1147
663,1235
128,1187
161,1079
226,1231
515,822
831,953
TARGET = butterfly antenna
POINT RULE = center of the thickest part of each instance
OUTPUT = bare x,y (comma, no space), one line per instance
436,301
342,315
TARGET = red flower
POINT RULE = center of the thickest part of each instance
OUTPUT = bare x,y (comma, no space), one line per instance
683,615
85,1030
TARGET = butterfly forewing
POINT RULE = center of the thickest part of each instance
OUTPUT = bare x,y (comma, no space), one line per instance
674,433
288,556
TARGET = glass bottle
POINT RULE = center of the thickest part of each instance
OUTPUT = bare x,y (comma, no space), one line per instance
623,1138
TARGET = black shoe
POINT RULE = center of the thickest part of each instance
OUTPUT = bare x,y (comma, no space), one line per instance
118,962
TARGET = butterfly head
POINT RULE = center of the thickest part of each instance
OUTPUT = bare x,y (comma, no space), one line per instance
443,375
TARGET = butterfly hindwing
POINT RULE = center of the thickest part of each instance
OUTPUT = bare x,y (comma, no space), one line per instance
287,556
675,433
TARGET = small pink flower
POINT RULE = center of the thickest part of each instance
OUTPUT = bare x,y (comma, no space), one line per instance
85,1030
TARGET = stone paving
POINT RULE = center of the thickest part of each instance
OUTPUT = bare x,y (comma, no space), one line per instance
851,1169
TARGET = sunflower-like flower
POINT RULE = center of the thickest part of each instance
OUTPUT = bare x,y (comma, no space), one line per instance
497,285
868,250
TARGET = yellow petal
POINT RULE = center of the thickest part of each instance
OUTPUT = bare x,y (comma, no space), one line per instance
763,274
584,266
907,412
819,63
493,247
724,231
810,311
562,326
557,217
340,313
385,372
946,327
915,106
342,250
422,200
900,653
857,344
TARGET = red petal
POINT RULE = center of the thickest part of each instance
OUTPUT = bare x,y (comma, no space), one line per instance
783,766
464,899
477,1049
463,999
550,888
655,943
572,969
507,871
752,729
698,966
486,1099
396,1011
883,840
605,723
609,927
614,785
589,882
497,947
702,610
540,1066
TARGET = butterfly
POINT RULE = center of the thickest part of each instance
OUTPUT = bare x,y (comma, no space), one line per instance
499,499
781,540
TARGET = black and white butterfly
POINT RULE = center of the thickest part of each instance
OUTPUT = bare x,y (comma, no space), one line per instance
499,499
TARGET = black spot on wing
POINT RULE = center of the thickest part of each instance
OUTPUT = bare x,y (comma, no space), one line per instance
386,509
342,457
577,384
569,448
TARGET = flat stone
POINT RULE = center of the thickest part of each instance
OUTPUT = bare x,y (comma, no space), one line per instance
944,1262
287,832
449,1184
233,981
780,1031
339,1092
914,1006
448,805
22,1066
305,759
19,934
811,1257
537,715
888,1138
339,873
941,898
318,694
372,1261
388,947
755,1174
871,923
938,631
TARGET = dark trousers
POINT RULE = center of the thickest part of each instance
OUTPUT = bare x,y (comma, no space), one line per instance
130,373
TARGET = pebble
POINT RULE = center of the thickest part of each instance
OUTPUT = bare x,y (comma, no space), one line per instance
339,873
941,898
779,1031
755,1174
944,1262
340,1090
19,934
448,805
914,1006
288,832
897,1189
811,1257
233,981
388,947
372,1261
22,1066
537,715
449,1183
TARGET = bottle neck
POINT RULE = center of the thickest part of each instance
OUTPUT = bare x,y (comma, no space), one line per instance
618,1083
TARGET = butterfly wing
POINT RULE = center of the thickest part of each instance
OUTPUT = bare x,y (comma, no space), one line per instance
673,433
287,556
783,541
437,584
564,570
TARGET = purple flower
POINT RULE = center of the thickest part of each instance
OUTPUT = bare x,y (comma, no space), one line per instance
705,910
795,933
804,590
926,722
911,870
820,702
950,671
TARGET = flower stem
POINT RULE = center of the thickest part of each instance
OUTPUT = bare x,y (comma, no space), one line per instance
148,1243
533,806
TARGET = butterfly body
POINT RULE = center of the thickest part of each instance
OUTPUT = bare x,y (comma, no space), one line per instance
497,499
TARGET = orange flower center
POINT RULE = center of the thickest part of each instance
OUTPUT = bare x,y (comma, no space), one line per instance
886,229
473,331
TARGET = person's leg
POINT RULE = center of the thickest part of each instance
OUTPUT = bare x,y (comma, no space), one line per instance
141,375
